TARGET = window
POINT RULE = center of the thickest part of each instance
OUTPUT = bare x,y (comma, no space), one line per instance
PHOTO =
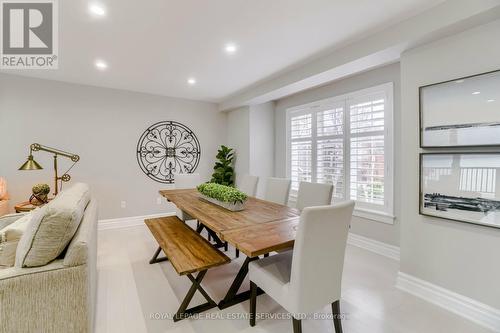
346,141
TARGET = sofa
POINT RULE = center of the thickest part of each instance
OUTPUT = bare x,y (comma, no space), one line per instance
59,296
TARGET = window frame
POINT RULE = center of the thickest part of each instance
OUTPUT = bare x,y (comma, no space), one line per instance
382,213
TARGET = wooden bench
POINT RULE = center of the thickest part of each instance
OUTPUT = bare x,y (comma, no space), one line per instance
188,252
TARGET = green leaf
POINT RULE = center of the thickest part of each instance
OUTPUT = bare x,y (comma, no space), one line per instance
223,169
222,193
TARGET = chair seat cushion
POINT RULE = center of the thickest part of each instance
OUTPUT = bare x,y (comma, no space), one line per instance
272,274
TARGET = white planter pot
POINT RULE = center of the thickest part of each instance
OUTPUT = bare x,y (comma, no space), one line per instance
229,206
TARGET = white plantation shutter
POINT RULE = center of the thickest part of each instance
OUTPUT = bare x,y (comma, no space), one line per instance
345,141
330,148
301,163
301,126
367,115
330,165
301,149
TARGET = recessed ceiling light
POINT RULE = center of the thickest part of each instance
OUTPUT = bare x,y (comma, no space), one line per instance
191,81
476,93
459,81
101,65
97,10
490,100
230,48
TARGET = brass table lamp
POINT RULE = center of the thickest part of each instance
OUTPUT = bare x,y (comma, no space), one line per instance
31,164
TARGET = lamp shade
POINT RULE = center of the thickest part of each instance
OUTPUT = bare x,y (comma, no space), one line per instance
30,164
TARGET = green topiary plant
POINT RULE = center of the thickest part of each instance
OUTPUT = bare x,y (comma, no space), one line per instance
222,193
223,169
40,194
41,189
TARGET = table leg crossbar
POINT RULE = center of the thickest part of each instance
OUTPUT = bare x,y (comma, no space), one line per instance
218,242
183,311
232,296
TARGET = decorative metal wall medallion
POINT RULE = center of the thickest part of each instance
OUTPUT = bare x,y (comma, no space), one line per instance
166,148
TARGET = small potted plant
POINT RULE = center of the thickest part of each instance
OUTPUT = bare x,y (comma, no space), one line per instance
225,196
223,169
40,194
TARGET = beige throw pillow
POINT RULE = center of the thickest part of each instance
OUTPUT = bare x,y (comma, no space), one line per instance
12,234
46,240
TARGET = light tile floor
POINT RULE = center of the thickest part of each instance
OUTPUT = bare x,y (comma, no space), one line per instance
134,296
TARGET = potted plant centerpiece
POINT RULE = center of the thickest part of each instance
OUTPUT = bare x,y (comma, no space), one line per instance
225,196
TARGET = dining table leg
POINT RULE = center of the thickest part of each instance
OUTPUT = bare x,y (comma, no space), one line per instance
232,296
218,242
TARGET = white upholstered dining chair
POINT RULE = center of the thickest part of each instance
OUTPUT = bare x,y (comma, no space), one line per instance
277,190
248,185
307,278
185,181
314,194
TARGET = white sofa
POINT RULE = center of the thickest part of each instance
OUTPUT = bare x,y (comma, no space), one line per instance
57,297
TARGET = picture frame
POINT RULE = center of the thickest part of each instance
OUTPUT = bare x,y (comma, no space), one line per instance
460,186
475,98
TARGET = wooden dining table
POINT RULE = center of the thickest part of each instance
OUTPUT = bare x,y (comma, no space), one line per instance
262,227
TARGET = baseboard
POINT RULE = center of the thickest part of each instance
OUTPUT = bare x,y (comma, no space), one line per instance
372,245
127,222
466,307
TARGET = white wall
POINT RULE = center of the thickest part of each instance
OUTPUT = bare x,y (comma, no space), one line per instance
387,233
262,143
251,133
238,138
457,256
103,127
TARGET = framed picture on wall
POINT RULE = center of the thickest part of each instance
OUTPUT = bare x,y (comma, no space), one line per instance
463,112
461,186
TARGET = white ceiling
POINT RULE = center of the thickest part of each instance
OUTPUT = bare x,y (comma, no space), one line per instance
153,46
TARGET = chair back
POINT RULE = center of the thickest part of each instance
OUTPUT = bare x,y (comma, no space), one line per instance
187,180
318,255
314,194
277,190
248,185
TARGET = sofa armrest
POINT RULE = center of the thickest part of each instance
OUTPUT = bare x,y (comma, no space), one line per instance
52,298
15,272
